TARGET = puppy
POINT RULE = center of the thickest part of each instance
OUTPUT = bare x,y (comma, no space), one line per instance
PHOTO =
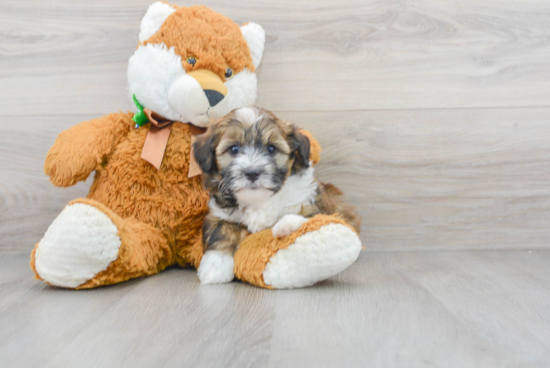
258,172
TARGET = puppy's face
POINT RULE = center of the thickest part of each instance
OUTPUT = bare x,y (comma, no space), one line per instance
247,155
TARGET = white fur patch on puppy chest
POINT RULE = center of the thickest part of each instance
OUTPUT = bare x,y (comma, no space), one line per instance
297,191
258,220
288,224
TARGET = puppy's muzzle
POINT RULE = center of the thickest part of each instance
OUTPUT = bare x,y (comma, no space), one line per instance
252,174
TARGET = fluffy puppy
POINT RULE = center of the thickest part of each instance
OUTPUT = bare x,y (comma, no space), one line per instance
258,172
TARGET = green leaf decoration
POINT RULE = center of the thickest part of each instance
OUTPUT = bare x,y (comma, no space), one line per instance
139,117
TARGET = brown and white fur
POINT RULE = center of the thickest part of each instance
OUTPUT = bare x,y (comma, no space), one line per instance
257,169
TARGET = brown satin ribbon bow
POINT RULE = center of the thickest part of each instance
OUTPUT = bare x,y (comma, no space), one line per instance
157,139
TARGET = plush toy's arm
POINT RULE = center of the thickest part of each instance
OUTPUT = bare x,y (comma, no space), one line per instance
314,149
81,149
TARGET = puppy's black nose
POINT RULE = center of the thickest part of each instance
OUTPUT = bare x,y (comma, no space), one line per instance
252,175
214,97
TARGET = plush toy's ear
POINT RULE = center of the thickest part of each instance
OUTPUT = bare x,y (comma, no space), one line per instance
203,149
255,38
153,19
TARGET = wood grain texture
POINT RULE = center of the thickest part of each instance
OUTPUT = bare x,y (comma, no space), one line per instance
433,116
453,179
70,57
390,309
439,179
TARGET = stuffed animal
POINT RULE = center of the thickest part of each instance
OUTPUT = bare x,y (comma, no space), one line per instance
146,206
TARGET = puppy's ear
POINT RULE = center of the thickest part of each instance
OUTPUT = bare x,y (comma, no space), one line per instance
205,153
300,146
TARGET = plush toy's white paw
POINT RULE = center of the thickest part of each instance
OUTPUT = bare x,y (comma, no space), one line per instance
313,257
81,242
287,225
217,267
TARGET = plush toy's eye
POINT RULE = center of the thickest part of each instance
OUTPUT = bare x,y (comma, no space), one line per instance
228,73
271,149
234,149
191,60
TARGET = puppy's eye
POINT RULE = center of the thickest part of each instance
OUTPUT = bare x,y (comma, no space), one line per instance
228,73
271,149
191,60
234,149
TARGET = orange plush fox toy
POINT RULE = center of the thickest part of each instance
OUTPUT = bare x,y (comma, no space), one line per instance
146,206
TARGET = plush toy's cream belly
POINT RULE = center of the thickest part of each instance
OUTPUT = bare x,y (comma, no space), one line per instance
165,198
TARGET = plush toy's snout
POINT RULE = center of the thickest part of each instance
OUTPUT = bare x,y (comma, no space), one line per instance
196,92
211,84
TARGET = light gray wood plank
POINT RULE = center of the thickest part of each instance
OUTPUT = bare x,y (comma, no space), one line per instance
453,179
52,319
29,203
440,179
15,280
70,57
68,326
398,309
419,309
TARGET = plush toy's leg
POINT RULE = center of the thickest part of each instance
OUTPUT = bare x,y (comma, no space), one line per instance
321,248
88,245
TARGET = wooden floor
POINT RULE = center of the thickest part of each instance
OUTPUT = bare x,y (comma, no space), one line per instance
391,309
434,117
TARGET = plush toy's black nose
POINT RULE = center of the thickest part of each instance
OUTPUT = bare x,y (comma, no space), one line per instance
252,175
214,97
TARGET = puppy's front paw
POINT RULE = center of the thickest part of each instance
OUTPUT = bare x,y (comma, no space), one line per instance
217,267
287,225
